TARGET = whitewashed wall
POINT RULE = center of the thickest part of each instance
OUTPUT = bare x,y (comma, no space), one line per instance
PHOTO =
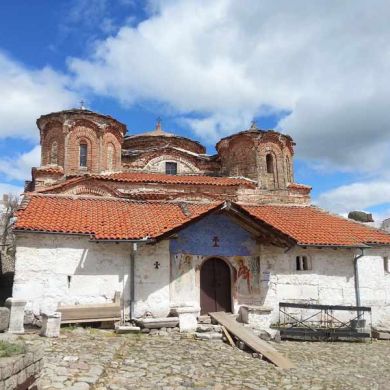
45,261
152,284
375,285
330,281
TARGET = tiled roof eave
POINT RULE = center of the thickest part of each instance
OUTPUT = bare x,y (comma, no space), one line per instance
93,236
334,245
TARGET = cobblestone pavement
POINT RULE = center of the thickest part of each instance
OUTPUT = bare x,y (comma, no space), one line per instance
98,359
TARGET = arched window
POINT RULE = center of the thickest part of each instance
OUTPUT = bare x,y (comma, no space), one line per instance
83,154
270,163
54,153
110,157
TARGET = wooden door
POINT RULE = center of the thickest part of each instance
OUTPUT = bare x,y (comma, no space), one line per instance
215,289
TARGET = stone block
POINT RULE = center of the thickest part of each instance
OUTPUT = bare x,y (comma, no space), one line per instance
158,323
208,335
51,324
380,335
16,320
256,316
187,318
4,318
122,329
201,328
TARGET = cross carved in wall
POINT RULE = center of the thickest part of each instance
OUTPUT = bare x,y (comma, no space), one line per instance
156,265
216,242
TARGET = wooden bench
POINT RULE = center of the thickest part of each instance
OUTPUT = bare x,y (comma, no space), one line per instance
91,312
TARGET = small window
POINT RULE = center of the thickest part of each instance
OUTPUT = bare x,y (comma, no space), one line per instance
386,264
54,153
302,263
83,154
171,168
270,163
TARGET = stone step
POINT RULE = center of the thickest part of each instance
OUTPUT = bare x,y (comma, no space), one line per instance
204,319
208,335
206,328
380,335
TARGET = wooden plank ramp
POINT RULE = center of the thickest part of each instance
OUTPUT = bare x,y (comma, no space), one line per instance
251,340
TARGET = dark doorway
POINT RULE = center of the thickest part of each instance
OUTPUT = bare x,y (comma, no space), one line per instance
215,289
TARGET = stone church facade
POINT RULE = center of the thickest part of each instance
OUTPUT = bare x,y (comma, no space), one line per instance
153,216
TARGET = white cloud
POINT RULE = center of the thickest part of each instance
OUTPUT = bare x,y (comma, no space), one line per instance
19,166
325,62
6,189
356,196
25,94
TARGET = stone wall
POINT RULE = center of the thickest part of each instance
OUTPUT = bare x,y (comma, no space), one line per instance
279,196
53,269
263,156
152,280
329,279
22,371
151,160
62,133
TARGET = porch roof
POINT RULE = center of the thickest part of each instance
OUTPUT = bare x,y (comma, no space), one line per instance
120,219
311,226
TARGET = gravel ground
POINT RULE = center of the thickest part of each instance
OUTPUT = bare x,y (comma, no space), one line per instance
99,359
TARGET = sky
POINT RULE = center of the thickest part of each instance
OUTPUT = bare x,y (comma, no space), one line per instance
316,70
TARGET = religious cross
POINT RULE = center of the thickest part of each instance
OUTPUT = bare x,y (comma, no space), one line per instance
156,265
158,124
216,242
82,107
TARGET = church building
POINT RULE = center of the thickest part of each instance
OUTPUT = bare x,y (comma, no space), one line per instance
155,217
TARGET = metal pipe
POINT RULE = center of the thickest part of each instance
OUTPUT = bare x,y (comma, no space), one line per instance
356,277
132,279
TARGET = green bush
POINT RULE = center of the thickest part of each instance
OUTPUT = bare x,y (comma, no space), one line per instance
10,349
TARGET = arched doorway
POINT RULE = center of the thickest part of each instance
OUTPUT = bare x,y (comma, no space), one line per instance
215,286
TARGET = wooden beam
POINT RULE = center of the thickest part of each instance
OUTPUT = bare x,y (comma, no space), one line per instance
227,334
251,340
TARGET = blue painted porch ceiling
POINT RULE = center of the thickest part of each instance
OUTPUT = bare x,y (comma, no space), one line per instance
214,235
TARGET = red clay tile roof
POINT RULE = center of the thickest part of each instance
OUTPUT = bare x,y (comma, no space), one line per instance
299,186
49,169
105,218
142,177
312,226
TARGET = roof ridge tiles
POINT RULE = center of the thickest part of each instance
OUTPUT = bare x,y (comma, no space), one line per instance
360,224
113,199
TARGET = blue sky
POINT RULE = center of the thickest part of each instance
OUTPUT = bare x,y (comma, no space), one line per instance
319,72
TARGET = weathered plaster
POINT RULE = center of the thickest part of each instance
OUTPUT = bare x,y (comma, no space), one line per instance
53,269
214,235
151,283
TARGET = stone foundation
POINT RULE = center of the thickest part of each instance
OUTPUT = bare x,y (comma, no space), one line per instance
4,319
257,316
21,371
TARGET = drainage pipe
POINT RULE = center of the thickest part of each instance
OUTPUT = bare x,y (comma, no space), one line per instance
356,277
133,249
